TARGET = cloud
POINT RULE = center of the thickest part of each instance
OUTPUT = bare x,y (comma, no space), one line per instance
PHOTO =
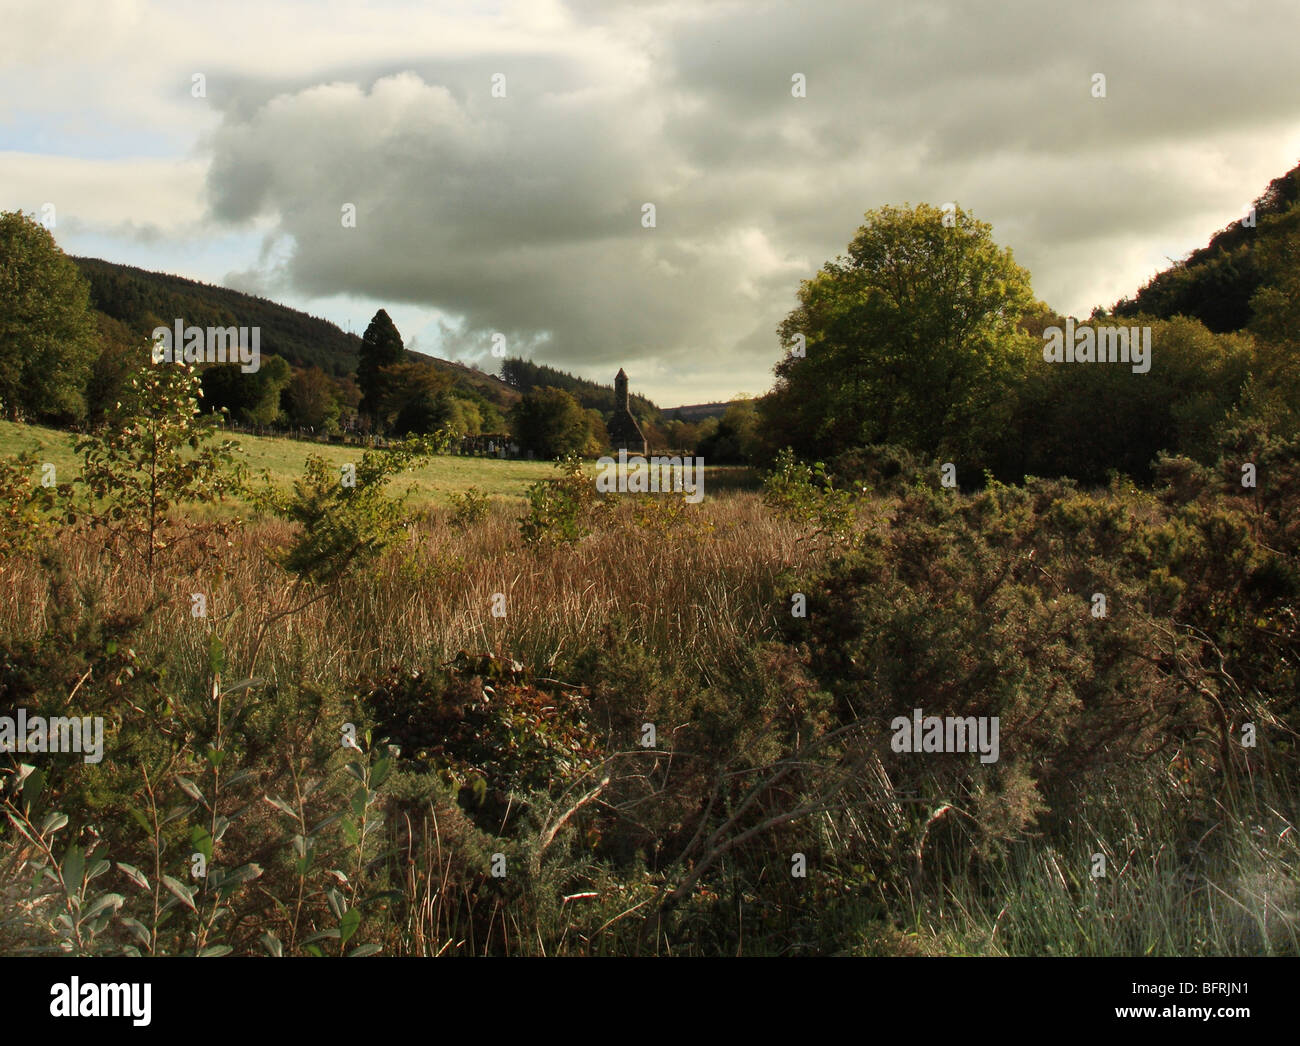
522,214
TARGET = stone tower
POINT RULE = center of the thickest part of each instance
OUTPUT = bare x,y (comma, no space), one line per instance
624,432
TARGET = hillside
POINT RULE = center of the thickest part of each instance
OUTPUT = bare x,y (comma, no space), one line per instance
695,411
142,300
1216,282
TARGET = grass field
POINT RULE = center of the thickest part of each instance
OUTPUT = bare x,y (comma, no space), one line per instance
284,459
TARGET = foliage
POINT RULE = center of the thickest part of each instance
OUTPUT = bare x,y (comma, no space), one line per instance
28,507
912,338
550,423
564,509
252,398
381,347
468,508
807,494
345,515
47,330
152,457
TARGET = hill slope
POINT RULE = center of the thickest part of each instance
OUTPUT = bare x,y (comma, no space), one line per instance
1216,282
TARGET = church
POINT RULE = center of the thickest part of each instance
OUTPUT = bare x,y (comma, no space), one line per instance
624,432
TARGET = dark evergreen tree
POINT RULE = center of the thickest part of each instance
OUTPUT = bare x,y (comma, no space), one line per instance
380,347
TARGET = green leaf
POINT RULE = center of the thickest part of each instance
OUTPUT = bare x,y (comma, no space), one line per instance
350,833
201,840
364,950
216,654
245,873
140,819
53,822
74,863
181,892
241,776
32,785
243,684
272,944
282,806
137,928
379,773
101,904
134,874
215,951
335,900
190,788
348,924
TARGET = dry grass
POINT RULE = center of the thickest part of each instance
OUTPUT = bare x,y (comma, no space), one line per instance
689,590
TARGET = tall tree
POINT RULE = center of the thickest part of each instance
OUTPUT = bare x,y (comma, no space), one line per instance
381,347
550,422
311,400
910,339
47,328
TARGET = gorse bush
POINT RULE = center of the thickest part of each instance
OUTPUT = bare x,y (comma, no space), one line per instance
352,754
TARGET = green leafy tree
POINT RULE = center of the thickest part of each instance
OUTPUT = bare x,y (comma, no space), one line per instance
311,402
912,339
153,456
415,399
381,347
47,328
252,398
550,422
736,436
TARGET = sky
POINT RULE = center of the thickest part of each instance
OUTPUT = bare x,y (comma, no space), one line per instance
499,157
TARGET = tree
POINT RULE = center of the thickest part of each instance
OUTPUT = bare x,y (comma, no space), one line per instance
251,398
910,339
735,437
550,422
47,328
310,400
415,398
155,456
381,347
120,354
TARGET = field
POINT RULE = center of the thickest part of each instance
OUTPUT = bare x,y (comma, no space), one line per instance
618,730
283,460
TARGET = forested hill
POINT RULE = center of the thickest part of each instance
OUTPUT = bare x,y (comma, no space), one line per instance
1216,283
143,300
524,375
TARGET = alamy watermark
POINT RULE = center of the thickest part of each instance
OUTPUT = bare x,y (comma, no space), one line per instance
83,735
952,733
242,345
1086,344
637,475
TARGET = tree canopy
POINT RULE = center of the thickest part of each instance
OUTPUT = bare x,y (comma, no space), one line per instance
48,341
911,338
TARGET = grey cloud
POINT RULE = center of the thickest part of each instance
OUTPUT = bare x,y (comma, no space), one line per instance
523,214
